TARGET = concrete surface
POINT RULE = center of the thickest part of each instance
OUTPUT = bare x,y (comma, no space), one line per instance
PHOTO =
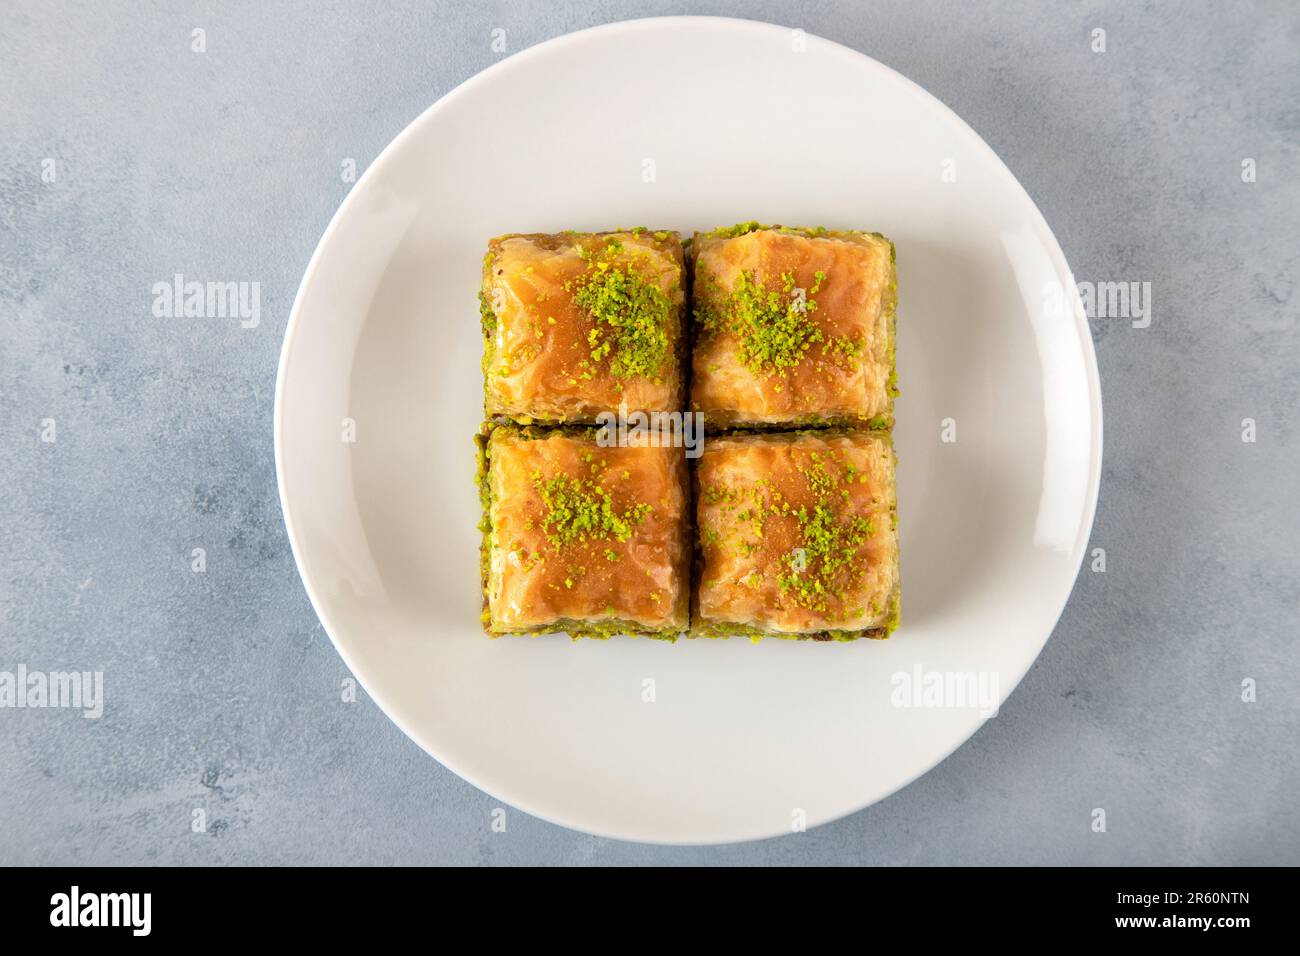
222,691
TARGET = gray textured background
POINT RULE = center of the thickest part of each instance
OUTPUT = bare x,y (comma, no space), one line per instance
223,691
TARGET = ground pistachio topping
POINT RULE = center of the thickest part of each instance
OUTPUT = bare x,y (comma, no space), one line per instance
821,573
630,313
739,229
580,510
775,328
486,314
830,562
827,563
842,350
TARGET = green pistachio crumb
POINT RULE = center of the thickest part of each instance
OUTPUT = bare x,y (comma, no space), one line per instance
580,509
488,317
842,349
633,309
774,328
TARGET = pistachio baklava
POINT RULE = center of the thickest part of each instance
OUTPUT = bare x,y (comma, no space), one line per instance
580,538
793,327
796,536
576,324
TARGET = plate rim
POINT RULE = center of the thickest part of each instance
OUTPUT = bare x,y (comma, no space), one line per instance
515,60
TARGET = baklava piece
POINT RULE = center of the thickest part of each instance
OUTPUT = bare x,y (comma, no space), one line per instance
793,327
576,324
796,536
584,539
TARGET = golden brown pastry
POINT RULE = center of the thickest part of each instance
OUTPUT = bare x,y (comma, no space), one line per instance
575,324
793,327
797,536
580,538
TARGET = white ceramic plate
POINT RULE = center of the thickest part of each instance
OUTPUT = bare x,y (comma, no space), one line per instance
686,123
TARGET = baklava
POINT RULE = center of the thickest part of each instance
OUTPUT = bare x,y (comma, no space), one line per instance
580,538
796,536
576,324
793,327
